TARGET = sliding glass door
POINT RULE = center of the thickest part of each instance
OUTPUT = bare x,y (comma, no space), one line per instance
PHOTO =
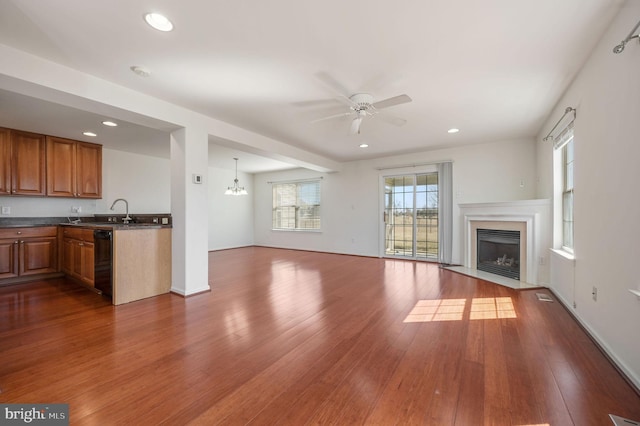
411,216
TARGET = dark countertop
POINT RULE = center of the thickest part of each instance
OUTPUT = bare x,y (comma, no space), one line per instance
89,222
115,226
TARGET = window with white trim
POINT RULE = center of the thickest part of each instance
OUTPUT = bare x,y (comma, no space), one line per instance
567,195
296,205
564,183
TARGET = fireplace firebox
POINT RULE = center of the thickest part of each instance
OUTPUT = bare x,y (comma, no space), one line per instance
498,252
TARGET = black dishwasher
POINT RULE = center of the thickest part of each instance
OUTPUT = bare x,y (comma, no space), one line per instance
102,240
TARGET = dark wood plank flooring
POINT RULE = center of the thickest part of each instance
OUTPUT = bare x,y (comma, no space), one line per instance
292,338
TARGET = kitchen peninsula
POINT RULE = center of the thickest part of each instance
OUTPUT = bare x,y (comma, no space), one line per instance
138,256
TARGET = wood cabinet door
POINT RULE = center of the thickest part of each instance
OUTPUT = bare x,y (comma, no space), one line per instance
61,167
67,255
87,275
5,161
8,258
28,154
76,259
89,170
38,255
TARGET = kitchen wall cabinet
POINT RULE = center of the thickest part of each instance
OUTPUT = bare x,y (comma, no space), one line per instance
74,169
78,254
27,252
23,163
5,161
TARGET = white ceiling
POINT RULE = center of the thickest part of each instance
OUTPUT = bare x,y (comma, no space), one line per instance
494,69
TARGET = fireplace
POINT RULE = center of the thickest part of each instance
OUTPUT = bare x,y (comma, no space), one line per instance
531,218
498,252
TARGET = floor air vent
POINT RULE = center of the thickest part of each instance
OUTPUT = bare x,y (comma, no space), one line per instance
543,297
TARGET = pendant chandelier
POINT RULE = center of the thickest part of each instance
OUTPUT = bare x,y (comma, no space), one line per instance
236,189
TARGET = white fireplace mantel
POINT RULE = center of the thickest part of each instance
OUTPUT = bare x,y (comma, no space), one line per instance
533,213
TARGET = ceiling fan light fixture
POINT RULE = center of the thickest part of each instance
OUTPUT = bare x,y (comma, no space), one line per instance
158,21
362,105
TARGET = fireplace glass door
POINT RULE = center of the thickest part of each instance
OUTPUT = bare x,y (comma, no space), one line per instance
498,252
411,216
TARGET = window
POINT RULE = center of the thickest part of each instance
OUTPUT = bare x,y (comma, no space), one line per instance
563,177
411,215
567,195
296,205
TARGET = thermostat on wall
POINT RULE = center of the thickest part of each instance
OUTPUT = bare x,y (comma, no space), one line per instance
197,178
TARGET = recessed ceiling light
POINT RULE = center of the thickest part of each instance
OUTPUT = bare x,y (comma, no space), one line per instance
158,21
364,145
110,123
454,130
141,71
93,135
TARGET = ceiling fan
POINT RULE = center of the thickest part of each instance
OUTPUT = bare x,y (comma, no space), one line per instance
361,105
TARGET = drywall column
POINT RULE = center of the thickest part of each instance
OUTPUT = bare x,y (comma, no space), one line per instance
190,265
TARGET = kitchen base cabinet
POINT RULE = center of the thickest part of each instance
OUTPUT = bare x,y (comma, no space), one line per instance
8,259
28,253
141,264
77,254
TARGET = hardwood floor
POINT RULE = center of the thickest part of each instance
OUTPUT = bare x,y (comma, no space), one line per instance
293,338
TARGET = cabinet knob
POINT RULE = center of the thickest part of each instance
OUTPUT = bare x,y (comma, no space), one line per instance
21,242
19,232
15,242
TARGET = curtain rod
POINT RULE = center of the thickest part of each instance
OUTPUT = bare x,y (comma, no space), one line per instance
566,111
295,180
619,48
405,166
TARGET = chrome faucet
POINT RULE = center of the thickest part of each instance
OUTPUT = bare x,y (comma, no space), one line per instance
126,219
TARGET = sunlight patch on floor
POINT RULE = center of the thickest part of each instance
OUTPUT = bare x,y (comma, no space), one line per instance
437,310
454,309
492,308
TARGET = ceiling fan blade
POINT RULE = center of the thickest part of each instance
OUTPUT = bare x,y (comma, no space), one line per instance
355,126
332,83
389,102
342,114
336,87
316,103
391,119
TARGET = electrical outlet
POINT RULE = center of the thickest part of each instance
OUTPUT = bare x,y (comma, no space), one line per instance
541,261
6,210
76,209
155,220
165,220
594,294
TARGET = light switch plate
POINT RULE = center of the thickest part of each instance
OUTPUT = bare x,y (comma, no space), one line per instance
197,179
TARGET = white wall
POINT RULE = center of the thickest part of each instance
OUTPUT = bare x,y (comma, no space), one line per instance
142,180
351,201
606,94
230,217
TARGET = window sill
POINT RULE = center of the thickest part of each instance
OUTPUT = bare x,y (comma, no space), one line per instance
565,254
313,231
